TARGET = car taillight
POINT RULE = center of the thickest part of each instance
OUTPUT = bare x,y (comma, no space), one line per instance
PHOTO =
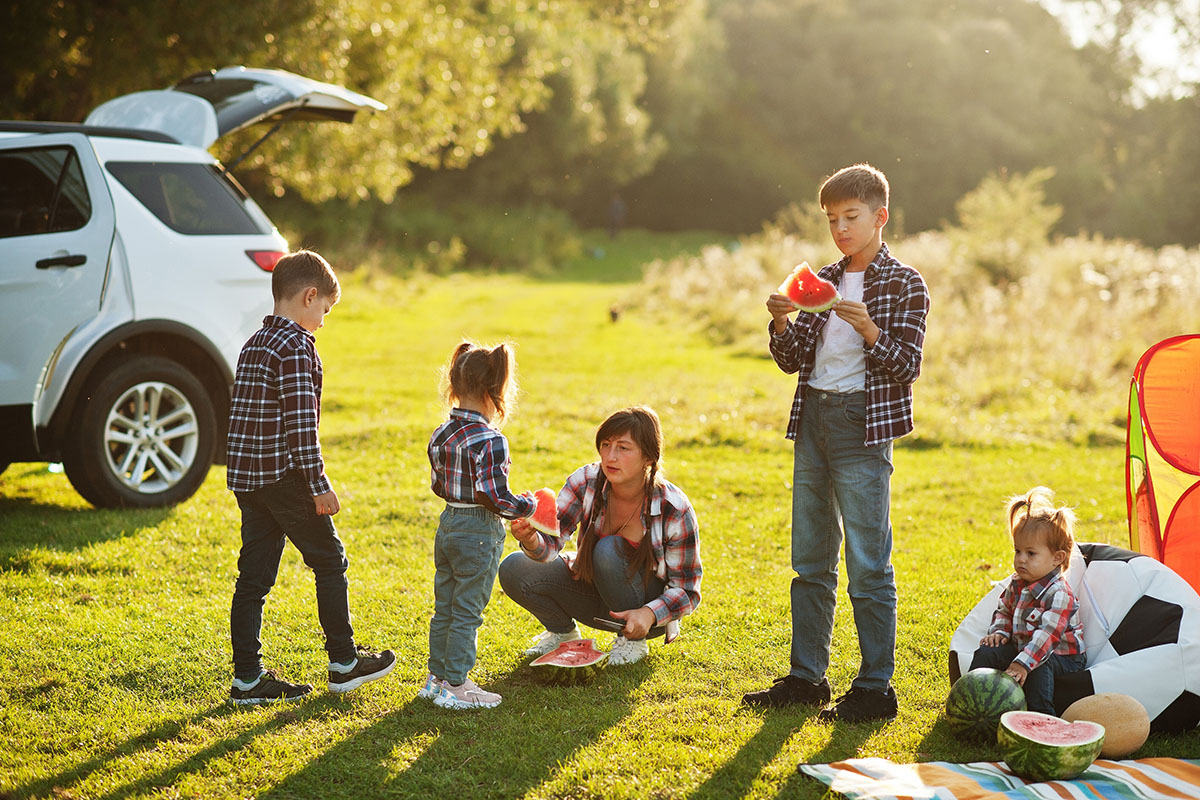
265,258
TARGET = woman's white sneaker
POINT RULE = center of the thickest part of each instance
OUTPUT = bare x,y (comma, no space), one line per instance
546,641
628,651
466,696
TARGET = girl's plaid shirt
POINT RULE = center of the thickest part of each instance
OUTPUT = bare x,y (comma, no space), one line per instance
898,303
275,409
1040,618
673,533
468,457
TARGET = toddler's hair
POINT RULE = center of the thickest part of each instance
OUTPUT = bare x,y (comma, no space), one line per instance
302,270
857,182
476,371
1034,514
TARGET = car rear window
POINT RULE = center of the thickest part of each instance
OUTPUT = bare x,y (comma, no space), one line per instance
194,199
42,190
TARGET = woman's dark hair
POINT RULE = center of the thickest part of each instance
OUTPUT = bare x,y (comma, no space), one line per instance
642,425
480,372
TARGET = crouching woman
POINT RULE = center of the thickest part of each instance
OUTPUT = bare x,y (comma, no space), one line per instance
637,559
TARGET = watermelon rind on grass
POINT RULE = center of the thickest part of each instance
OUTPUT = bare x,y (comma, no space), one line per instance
978,699
1041,747
571,663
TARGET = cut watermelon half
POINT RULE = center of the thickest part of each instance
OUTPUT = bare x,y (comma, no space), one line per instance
571,662
1039,747
809,291
545,518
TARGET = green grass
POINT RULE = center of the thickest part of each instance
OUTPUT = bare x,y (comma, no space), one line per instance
114,631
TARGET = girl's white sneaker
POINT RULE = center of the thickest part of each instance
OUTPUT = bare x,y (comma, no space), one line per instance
628,651
466,696
431,688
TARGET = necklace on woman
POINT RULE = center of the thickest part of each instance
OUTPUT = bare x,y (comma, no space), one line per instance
628,519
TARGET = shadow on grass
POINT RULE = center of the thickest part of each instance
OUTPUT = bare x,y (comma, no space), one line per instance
28,525
421,750
59,784
736,777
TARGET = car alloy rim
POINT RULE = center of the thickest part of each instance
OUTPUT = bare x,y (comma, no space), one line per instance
151,437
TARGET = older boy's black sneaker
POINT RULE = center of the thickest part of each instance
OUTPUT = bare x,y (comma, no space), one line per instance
863,705
369,667
269,689
790,691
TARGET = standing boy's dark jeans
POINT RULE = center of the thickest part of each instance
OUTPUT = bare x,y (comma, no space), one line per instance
1039,684
270,516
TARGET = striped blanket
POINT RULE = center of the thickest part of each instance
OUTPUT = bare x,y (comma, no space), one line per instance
880,779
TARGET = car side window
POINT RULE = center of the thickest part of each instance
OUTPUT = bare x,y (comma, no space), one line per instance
42,190
193,199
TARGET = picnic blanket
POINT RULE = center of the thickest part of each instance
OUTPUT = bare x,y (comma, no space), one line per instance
881,779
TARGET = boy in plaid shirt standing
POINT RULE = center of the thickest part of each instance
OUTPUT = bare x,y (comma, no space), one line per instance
855,366
276,472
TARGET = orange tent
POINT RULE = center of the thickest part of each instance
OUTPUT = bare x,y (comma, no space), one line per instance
1162,456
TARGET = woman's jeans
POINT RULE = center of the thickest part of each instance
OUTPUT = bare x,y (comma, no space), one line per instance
1039,683
271,516
547,589
466,554
841,484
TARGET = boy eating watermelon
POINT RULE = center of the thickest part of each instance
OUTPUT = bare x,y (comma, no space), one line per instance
855,363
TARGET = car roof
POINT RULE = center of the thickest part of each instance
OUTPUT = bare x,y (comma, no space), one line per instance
26,127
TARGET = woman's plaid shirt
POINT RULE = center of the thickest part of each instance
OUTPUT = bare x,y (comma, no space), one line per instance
898,303
673,532
275,410
1040,618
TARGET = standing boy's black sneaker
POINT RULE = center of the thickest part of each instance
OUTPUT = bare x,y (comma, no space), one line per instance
268,689
863,705
790,691
369,667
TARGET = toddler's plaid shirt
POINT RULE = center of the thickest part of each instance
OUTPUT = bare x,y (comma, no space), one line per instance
466,456
1040,618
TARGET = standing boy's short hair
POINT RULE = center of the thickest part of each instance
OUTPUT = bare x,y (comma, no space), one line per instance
858,182
301,270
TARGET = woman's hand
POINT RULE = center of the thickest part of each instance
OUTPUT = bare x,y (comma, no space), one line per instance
524,533
638,621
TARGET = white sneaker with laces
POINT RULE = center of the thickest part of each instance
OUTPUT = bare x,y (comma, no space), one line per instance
431,688
546,641
628,651
466,696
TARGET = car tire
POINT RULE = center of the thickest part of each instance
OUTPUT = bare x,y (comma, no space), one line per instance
144,436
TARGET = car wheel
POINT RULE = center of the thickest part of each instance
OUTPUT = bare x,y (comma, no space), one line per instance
145,436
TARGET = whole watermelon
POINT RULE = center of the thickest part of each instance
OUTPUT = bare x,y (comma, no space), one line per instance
978,699
571,662
1039,747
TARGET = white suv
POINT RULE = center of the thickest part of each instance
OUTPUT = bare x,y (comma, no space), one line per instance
132,269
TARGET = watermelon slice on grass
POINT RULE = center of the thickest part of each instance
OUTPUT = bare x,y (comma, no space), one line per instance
1039,747
545,518
571,662
809,291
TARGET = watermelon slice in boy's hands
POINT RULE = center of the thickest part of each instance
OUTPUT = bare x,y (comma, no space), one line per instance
545,518
809,291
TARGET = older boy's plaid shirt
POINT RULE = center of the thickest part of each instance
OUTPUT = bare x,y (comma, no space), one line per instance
673,532
898,303
275,410
1040,618
466,457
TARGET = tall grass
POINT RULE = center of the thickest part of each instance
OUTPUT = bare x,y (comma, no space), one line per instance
1046,355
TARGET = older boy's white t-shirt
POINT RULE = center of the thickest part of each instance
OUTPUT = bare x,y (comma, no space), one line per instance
841,362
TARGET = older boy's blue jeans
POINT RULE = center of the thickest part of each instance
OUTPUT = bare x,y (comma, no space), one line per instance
271,516
547,589
837,477
1039,683
466,554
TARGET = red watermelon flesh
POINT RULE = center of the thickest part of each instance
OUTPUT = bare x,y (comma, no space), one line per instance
571,662
809,291
545,518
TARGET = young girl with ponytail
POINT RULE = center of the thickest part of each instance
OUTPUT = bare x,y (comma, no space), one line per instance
469,460
1036,632
637,559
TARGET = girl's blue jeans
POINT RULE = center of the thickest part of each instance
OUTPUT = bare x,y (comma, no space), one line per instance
547,589
466,554
840,484
1039,683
